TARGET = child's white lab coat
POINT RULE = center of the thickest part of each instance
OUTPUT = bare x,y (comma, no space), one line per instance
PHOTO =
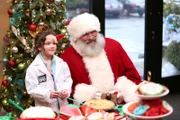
39,82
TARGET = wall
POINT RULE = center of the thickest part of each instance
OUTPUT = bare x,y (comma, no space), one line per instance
4,19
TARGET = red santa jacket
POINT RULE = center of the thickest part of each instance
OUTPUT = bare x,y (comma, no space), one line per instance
93,73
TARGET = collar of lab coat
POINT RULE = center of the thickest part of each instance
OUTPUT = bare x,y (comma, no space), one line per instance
42,67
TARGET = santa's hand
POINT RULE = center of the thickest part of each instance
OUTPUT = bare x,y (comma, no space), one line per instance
120,99
63,94
97,95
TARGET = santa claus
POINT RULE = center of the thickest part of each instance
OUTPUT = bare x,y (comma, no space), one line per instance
97,64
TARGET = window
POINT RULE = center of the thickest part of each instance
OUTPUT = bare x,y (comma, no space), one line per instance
75,7
127,27
171,39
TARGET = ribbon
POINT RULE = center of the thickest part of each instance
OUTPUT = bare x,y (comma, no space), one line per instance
40,28
16,33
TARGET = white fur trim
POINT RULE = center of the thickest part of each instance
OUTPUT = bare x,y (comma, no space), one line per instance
84,92
127,88
82,24
100,72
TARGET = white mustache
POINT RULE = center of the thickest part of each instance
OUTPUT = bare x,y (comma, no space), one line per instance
90,40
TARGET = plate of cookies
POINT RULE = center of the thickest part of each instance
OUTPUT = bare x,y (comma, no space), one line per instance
151,90
100,104
148,110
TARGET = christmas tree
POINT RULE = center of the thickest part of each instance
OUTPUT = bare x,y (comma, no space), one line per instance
26,19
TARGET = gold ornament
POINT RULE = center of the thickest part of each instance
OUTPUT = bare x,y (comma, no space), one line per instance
29,62
57,2
12,42
25,93
17,61
27,49
47,4
48,11
21,66
63,31
5,77
41,26
14,49
54,13
20,55
15,115
7,51
27,13
12,58
5,102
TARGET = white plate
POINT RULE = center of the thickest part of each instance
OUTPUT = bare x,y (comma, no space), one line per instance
125,109
76,118
148,97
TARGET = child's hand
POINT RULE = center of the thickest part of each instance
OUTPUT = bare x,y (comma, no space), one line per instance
54,94
63,94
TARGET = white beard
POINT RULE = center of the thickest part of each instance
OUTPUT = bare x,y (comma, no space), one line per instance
91,49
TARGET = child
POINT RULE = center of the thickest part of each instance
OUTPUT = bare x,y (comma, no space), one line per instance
48,78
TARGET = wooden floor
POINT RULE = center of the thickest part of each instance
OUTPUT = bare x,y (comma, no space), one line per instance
174,101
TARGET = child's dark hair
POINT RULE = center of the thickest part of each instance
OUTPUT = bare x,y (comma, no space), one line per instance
41,37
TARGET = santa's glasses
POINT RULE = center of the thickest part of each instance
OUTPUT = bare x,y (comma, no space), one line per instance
89,36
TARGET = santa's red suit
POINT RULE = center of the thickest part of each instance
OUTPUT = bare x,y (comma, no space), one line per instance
111,69
101,71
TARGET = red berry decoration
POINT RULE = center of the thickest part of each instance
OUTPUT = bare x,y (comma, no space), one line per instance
5,83
5,38
32,27
7,44
10,11
11,63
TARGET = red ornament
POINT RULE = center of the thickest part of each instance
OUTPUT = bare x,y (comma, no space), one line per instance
67,22
32,27
5,38
11,63
5,83
10,11
7,44
60,36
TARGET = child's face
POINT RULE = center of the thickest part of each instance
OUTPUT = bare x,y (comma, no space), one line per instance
49,47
